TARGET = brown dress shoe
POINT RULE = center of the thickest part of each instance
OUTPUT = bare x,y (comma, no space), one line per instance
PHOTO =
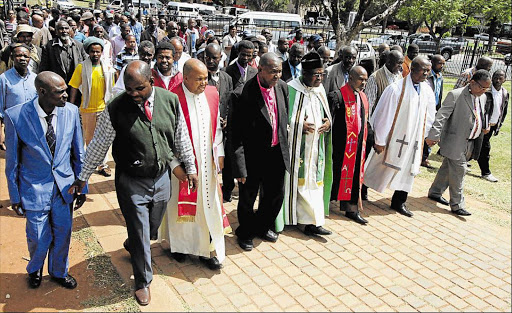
143,296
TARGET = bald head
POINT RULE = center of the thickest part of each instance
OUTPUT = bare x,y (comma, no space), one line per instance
51,89
137,70
213,48
193,65
357,78
383,47
420,69
394,60
176,43
269,59
484,63
195,76
46,80
397,48
37,21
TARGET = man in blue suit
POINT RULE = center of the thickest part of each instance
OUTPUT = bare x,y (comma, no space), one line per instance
45,154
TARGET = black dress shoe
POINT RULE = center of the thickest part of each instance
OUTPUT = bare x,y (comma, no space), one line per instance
67,282
402,209
461,212
126,245
180,257
211,263
245,244
441,200
226,198
34,279
143,296
270,236
312,230
356,217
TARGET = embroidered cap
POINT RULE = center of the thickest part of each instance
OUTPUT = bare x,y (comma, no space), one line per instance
312,61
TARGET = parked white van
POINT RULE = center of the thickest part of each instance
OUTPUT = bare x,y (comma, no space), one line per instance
205,9
150,5
280,24
182,9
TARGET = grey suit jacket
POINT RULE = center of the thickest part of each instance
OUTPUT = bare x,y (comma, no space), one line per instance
335,79
454,123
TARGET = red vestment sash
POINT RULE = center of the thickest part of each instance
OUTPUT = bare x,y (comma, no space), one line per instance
173,83
349,158
187,199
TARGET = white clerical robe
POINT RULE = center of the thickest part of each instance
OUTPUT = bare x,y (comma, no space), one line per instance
194,237
379,176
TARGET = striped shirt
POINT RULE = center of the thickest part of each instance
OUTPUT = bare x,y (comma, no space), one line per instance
124,57
465,77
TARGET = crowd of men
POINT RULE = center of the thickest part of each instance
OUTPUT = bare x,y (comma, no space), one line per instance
188,115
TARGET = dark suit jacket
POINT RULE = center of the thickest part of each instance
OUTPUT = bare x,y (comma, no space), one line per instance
430,81
287,72
51,58
225,88
251,131
237,79
489,108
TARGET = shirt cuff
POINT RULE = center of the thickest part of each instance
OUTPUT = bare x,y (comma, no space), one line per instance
175,162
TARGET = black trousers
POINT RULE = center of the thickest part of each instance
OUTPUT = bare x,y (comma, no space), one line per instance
370,141
268,180
485,153
228,182
399,198
426,152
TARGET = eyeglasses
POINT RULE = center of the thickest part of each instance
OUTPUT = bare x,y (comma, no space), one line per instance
316,75
482,87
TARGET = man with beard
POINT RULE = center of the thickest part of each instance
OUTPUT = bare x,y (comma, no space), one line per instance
95,78
402,118
261,154
292,67
338,73
164,74
240,71
149,135
153,33
222,81
308,185
62,54
119,41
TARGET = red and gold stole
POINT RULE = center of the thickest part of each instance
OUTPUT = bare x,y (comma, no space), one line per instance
173,83
351,145
187,199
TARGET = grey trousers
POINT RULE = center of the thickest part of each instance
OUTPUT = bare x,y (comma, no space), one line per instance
143,202
451,175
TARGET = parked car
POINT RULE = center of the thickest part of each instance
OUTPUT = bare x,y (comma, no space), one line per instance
65,5
322,20
482,37
447,48
508,59
504,46
366,56
390,39
392,27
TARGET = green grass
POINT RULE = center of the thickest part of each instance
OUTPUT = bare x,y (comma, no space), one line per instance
117,296
498,195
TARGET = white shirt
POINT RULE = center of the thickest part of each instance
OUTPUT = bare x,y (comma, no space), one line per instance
42,118
166,79
477,126
497,98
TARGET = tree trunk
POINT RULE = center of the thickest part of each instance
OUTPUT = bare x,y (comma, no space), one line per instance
97,4
384,24
492,30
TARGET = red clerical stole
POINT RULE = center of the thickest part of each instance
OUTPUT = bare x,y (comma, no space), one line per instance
352,116
187,200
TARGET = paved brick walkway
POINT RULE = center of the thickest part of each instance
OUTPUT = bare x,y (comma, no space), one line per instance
434,261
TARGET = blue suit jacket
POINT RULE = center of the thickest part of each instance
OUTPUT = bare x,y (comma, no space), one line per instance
31,170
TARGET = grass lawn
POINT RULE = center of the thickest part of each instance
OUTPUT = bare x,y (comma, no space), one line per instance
498,195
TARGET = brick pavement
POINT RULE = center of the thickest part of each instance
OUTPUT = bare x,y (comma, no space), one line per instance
431,262
434,261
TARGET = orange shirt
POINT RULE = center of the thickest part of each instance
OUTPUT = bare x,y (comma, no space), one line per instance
406,66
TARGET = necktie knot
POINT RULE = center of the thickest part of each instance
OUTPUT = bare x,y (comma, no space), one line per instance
49,118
